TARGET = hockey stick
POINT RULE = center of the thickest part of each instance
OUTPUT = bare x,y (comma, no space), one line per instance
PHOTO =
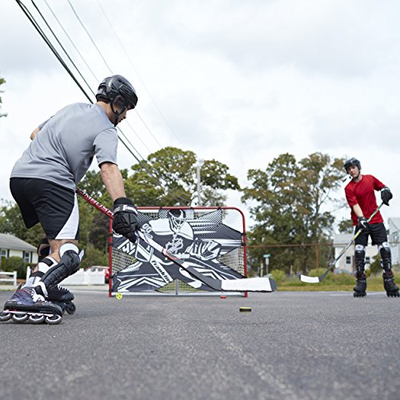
318,279
230,285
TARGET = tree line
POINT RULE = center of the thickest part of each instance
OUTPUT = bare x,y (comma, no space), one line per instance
290,201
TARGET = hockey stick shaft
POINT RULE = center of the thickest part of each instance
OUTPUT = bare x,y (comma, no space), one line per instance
317,279
234,285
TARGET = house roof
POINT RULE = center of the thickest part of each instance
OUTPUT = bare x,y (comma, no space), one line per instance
342,238
13,243
395,222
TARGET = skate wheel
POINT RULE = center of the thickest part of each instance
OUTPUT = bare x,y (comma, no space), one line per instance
359,294
36,319
70,308
19,318
54,319
5,316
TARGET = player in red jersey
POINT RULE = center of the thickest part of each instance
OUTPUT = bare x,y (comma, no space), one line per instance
360,195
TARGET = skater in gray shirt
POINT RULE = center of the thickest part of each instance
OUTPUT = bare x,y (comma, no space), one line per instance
43,183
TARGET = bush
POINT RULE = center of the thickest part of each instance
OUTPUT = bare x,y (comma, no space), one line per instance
278,275
375,266
93,256
316,272
337,279
16,264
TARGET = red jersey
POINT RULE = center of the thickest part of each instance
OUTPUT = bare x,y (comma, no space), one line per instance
363,194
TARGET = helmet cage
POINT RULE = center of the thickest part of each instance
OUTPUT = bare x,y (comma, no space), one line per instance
177,218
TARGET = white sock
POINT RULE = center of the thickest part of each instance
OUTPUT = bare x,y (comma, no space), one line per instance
42,267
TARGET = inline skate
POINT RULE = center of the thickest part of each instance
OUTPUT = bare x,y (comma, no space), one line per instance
361,285
57,295
25,305
388,283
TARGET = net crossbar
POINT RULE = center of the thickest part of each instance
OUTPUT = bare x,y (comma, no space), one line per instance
212,239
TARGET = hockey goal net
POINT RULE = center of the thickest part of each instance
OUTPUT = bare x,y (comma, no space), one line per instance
212,239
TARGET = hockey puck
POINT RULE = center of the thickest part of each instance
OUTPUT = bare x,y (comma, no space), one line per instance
245,309
118,296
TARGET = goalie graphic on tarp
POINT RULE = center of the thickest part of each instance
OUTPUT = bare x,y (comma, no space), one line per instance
199,241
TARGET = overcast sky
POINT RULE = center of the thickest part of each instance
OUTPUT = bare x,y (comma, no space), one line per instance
237,81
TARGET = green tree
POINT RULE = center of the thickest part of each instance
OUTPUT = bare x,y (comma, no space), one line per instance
375,266
289,209
346,226
11,222
2,81
169,178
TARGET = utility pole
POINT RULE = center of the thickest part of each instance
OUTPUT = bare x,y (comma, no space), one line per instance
266,256
199,164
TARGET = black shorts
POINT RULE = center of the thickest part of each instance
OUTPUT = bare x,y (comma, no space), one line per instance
377,233
54,206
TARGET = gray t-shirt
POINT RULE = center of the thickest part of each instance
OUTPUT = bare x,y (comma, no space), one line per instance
64,147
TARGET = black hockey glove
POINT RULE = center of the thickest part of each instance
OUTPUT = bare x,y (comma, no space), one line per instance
386,195
125,220
362,224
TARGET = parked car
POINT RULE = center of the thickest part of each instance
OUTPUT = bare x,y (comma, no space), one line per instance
106,270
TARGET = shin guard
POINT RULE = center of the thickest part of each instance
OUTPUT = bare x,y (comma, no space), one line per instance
359,258
68,265
386,256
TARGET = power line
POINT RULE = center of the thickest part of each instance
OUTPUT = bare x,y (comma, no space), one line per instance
90,36
105,62
89,68
64,64
59,57
71,41
47,41
62,47
138,75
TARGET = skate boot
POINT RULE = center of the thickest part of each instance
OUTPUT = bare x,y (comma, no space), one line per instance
26,305
388,283
361,285
57,295
62,297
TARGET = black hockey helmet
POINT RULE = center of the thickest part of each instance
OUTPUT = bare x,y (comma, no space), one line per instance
117,90
351,162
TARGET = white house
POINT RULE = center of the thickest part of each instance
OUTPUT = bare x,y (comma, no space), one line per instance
11,246
394,236
346,262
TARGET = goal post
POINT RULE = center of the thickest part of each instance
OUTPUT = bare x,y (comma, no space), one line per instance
211,239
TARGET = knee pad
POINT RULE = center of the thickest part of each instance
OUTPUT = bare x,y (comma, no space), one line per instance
384,248
359,251
68,265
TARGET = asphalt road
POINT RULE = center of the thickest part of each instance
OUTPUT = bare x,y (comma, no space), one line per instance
291,346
